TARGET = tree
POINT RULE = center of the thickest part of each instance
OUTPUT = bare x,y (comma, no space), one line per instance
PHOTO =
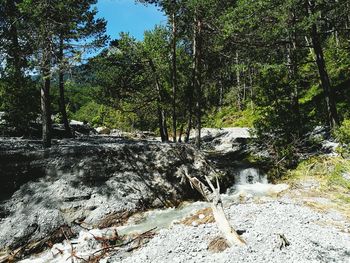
133,78
15,49
333,119
49,22
82,34
170,7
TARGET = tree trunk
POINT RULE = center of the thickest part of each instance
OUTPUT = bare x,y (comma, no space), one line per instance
333,120
190,91
213,196
189,125
293,75
238,79
45,100
197,76
62,103
251,88
180,133
332,114
14,50
163,130
221,94
15,91
174,72
294,95
160,122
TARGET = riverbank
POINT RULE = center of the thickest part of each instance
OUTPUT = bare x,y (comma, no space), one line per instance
104,198
276,227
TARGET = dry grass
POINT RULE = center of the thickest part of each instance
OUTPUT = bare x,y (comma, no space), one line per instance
335,224
114,219
203,216
321,177
217,245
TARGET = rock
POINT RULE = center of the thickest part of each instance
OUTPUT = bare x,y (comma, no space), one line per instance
74,122
2,117
330,147
346,176
103,130
223,140
116,132
201,216
89,178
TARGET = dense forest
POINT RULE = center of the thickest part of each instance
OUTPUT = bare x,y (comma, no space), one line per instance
281,67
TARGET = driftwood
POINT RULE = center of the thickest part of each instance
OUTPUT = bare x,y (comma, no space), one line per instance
107,248
37,246
213,196
283,241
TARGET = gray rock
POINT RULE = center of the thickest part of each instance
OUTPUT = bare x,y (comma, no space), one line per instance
87,179
103,130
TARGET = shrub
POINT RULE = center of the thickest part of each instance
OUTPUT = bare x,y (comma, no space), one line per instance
102,115
230,117
343,132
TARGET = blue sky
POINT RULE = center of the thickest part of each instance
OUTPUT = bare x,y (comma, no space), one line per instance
128,16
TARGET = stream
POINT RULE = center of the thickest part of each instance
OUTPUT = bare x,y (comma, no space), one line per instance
250,182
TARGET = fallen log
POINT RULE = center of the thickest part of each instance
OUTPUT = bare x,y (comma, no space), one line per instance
213,196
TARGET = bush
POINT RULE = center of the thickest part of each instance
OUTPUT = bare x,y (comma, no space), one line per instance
102,115
230,117
19,99
343,132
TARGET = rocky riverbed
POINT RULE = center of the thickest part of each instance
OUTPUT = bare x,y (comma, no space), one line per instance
309,236
75,200
312,237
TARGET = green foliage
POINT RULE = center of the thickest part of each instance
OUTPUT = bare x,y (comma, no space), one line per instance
280,136
230,117
230,56
342,133
21,105
329,171
35,35
101,115
274,102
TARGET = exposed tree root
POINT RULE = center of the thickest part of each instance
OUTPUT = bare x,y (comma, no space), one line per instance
213,196
37,246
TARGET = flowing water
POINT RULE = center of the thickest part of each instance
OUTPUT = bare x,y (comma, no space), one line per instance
249,182
250,176
161,218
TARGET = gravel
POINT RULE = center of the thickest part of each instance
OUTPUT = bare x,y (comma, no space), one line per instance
312,236
311,240
59,196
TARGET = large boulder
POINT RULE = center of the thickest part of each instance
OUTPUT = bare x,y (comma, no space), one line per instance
223,140
87,180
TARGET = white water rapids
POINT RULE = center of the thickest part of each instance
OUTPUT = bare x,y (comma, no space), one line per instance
250,182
